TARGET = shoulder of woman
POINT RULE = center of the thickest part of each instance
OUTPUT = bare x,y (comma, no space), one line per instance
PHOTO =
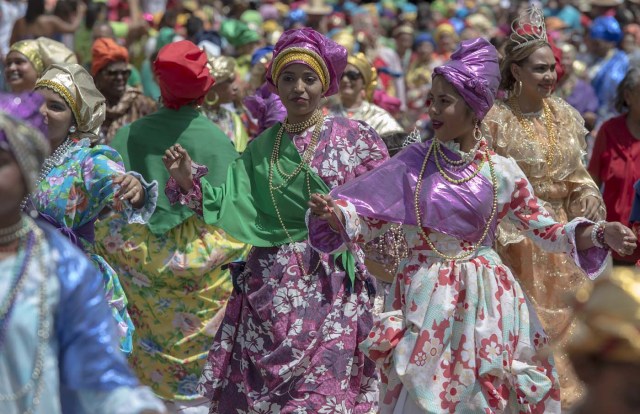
498,112
505,163
101,151
566,115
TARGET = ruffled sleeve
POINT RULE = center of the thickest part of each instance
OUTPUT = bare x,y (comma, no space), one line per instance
143,214
101,165
356,229
192,198
523,210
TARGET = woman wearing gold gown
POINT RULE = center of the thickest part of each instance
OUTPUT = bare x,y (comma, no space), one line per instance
545,136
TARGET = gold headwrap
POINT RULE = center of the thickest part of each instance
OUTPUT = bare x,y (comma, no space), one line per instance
609,315
308,57
43,52
29,147
368,72
444,28
222,68
74,84
346,39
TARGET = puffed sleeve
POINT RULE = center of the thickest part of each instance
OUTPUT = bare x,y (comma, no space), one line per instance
100,167
90,361
522,208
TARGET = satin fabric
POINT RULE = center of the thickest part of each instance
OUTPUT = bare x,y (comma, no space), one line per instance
458,210
75,85
89,356
474,72
333,55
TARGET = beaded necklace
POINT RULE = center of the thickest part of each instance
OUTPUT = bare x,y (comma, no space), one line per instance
20,265
466,159
438,150
551,143
494,208
55,159
13,233
35,382
316,119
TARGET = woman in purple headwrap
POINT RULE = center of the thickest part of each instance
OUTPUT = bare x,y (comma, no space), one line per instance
289,339
458,334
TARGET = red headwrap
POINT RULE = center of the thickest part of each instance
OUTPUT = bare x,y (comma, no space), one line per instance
105,51
183,74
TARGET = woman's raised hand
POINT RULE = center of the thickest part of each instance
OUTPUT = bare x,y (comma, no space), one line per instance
131,189
620,238
324,207
178,162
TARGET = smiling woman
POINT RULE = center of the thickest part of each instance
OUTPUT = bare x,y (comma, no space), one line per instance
28,59
546,137
290,334
79,183
110,70
458,334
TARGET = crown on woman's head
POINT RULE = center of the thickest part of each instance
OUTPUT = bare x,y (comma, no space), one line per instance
528,28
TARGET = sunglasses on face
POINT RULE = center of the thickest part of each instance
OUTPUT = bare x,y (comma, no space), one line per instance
125,73
352,75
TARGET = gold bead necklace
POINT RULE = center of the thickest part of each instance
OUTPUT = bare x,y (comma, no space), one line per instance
494,208
316,119
306,160
551,143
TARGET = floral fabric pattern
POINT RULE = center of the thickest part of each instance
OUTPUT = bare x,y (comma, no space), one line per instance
289,339
460,336
177,289
75,193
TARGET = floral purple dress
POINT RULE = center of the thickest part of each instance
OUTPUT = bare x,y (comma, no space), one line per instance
289,342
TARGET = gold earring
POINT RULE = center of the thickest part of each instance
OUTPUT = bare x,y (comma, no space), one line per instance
518,86
213,101
477,132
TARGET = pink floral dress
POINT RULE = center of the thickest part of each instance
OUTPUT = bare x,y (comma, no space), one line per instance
460,336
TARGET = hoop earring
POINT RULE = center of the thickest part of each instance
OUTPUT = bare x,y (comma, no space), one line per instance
213,101
517,86
477,132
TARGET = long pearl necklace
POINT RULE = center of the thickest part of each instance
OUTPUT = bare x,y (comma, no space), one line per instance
35,382
12,233
55,159
494,209
316,119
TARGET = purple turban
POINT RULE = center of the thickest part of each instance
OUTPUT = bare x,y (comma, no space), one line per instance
23,133
324,56
475,73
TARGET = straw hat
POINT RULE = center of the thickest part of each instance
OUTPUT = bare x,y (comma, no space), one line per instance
317,8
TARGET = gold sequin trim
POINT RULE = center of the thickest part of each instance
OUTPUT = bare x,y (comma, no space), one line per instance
312,59
62,91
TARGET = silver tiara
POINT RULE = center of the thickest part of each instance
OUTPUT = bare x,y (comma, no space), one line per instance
412,138
528,28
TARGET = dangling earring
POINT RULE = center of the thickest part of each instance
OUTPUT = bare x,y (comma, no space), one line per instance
517,86
477,132
213,101
72,129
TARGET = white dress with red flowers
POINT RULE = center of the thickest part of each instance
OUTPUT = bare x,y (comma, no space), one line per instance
460,336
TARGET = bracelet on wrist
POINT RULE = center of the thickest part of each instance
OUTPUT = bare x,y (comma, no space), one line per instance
597,235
